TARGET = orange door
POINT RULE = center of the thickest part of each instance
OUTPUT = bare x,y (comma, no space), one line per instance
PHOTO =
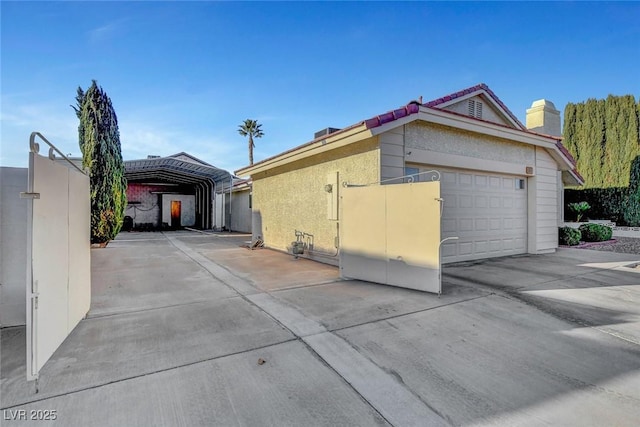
176,207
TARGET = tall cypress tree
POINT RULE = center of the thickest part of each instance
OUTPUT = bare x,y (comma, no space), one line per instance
613,154
99,140
603,137
569,130
631,124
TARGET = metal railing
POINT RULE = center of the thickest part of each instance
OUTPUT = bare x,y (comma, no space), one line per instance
35,148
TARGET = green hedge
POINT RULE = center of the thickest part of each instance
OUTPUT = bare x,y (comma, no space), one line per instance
569,236
595,232
618,204
605,203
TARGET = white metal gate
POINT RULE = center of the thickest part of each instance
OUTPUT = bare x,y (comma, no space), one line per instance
391,234
58,259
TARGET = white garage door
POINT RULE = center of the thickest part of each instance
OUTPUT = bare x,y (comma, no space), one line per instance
488,212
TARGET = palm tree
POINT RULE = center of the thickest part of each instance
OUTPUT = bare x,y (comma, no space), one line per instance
250,128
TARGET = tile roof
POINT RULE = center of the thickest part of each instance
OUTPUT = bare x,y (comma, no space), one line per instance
413,107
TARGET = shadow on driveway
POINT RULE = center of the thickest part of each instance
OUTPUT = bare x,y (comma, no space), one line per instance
192,329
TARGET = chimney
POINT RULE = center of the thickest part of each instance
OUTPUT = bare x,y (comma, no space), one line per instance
543,117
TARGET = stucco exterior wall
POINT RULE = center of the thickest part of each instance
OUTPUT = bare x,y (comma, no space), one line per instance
442,139
13,246
293,197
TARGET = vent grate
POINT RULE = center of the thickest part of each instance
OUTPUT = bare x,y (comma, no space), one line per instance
475,108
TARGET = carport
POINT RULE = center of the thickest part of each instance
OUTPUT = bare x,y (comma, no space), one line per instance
199,178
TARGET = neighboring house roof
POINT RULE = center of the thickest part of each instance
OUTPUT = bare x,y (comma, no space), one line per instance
411,112
174,169
189,158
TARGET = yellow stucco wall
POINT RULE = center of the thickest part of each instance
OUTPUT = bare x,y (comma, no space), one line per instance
293,197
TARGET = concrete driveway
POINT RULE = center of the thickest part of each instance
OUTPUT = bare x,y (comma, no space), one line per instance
191,329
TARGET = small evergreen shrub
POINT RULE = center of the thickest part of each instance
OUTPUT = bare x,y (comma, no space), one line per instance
579,209
595,232
569,236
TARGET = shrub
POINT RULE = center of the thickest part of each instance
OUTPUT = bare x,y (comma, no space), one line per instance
569,236
595,232
579,209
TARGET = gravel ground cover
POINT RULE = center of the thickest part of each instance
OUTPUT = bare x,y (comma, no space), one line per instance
625,245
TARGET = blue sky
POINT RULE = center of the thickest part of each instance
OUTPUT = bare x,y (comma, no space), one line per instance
183,75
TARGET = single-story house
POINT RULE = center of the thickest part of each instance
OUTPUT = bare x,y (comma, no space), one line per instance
173,191
501,181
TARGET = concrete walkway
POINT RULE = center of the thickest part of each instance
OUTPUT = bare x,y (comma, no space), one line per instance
191,329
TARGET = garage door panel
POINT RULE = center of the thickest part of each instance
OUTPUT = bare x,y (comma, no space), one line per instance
480,247
465,224
508,183
481,181
495,224
520,223
495,245
465,248
465,201
448,177
449,226
465,180
481,202
482,224
450,201
508,244
448,249
507,202
486,211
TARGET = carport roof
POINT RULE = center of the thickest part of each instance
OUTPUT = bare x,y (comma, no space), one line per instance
174,169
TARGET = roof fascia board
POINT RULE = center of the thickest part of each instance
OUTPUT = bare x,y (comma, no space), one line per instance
321,146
